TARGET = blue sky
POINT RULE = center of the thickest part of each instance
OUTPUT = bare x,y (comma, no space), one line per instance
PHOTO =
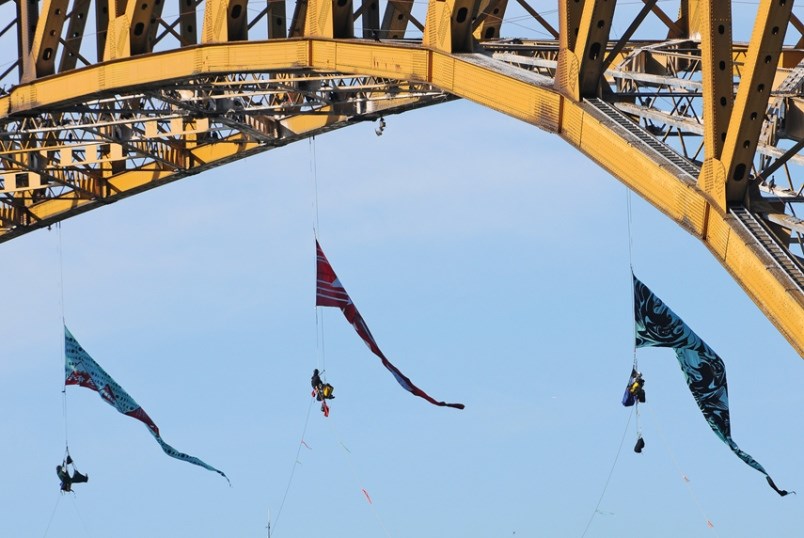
490,261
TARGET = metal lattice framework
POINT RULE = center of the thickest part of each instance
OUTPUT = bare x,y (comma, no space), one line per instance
698,109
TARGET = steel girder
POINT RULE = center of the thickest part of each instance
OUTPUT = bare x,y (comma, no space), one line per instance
165,91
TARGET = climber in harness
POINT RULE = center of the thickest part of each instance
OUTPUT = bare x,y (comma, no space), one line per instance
322,391
67,479
635,395
634,391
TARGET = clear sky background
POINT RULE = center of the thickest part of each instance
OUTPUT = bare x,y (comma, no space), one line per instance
490,261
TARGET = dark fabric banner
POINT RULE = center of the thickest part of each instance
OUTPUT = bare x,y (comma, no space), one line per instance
330,292
658,326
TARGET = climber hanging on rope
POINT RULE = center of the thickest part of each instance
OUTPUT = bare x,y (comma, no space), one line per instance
634,391
322,391
67,479
635,395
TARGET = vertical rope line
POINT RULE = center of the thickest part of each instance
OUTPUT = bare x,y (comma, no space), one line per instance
631,255
63,322
80,517
608,478
61,272
52,515
319,327
323,347
293,470
314,175
319,340
629,215
315,179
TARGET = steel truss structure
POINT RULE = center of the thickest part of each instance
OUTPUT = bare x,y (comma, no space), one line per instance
103,99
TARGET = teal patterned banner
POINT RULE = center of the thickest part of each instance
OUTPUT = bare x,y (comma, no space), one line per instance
658,326
82,370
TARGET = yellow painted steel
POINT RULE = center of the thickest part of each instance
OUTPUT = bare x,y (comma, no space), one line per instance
442,61
753,94
225,20
319,21
732,127
75,35
689,20
717,77
277,23
590,44
143,15
395,19
28,17
718,99
449,25
492,13
46,40
567,71
215,29
329,18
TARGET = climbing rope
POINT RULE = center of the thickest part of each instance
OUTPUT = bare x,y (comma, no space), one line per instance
319,334
319,317
80,517
61,340
52,515
608,478
635,366
293,469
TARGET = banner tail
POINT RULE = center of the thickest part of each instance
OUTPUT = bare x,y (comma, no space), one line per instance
781,492
173,453
356,320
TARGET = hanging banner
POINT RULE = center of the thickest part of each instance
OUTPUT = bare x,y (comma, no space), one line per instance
705,372
330,292
82,370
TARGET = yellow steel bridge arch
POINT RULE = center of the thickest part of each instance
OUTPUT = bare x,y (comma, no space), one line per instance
704,125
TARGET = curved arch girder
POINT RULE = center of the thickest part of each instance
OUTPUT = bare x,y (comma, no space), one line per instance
602,135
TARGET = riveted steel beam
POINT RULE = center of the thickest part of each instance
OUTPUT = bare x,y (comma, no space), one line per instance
590,44
329,18
299,19
225,20
27,19
277,19
568,68
753,94
718,94
471,76
188,22
489,19
46,40
689,20
144,17
395,19
119,31
370,19
75,34
449,25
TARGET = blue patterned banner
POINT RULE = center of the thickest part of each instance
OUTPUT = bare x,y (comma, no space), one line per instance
82,370
658,326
